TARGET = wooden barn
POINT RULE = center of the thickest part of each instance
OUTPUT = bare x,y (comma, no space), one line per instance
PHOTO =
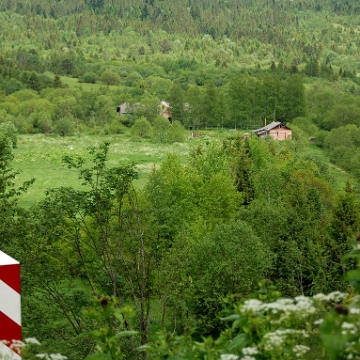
123,108
276,129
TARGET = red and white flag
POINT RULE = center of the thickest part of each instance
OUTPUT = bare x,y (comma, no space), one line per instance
10,307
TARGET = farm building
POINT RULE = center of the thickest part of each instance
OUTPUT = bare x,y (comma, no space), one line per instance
165,110
123,108
126,108
276,129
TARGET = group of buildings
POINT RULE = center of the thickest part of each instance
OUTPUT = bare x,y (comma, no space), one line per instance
276,129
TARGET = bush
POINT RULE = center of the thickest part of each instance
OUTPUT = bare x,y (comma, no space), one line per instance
116,127
176,133
141,128
110,78
161,129
10,131
89,78
166,132
65,127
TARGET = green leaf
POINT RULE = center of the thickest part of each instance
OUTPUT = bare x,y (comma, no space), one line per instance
231,317
238,343
126,333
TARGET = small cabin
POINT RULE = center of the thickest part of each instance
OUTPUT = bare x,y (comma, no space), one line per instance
165,110
123,108
276,129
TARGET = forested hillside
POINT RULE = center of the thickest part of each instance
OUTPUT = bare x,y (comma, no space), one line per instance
228,64
116,270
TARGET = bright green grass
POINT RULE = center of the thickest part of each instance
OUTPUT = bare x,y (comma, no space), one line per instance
74,83
40,157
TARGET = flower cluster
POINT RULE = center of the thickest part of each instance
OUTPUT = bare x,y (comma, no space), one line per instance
348,329
301,306
229,357
51,356
300,350
250,350
336,296
277,338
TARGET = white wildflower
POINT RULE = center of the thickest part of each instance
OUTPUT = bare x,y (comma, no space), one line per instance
247,357
229,357
348,328
318,322
301,306
320,297
41,356
250,350
354,311
32,341
300,350
276,339
252,305
336,296
57,357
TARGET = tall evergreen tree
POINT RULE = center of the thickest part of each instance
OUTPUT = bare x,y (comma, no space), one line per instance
345,224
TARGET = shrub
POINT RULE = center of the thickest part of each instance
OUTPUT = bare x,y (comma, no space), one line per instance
88,77
141,128
166,132
110,78
65,127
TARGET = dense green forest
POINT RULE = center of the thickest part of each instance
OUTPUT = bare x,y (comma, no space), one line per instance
115,270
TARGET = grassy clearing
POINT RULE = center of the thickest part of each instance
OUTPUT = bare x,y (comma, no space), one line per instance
74,83
40,157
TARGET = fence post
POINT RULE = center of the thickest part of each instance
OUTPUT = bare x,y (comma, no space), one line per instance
10,307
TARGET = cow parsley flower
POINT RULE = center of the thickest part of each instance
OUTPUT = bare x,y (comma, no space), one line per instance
318,322
354,311
250,350
57,357
335,296
348,328
300,350
32,341
229,357
277,338
301,306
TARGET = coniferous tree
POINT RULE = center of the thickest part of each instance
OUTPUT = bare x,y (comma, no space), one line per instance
34,82
345,224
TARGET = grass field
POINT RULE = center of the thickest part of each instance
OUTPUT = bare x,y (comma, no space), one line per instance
40,157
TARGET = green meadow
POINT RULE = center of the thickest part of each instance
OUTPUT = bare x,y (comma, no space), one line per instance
40,157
